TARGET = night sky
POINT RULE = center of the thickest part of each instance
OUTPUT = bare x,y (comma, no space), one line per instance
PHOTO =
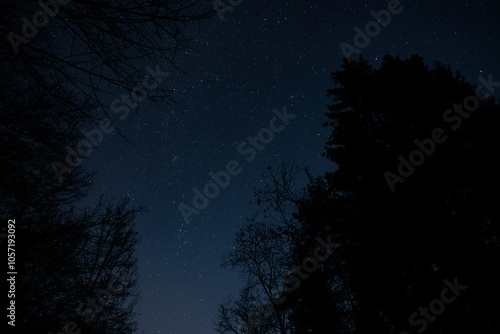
264,55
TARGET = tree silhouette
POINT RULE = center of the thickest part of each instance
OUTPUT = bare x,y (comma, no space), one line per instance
102,44
324,301
413,205
76,266
80,269
262,253
409,240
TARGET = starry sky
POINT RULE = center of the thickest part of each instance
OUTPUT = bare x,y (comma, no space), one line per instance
264,55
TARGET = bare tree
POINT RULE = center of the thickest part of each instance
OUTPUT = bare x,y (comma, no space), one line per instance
103,42
61,62
81,270
263,254
245,314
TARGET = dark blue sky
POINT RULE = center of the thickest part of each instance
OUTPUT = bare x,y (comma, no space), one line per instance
264,55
